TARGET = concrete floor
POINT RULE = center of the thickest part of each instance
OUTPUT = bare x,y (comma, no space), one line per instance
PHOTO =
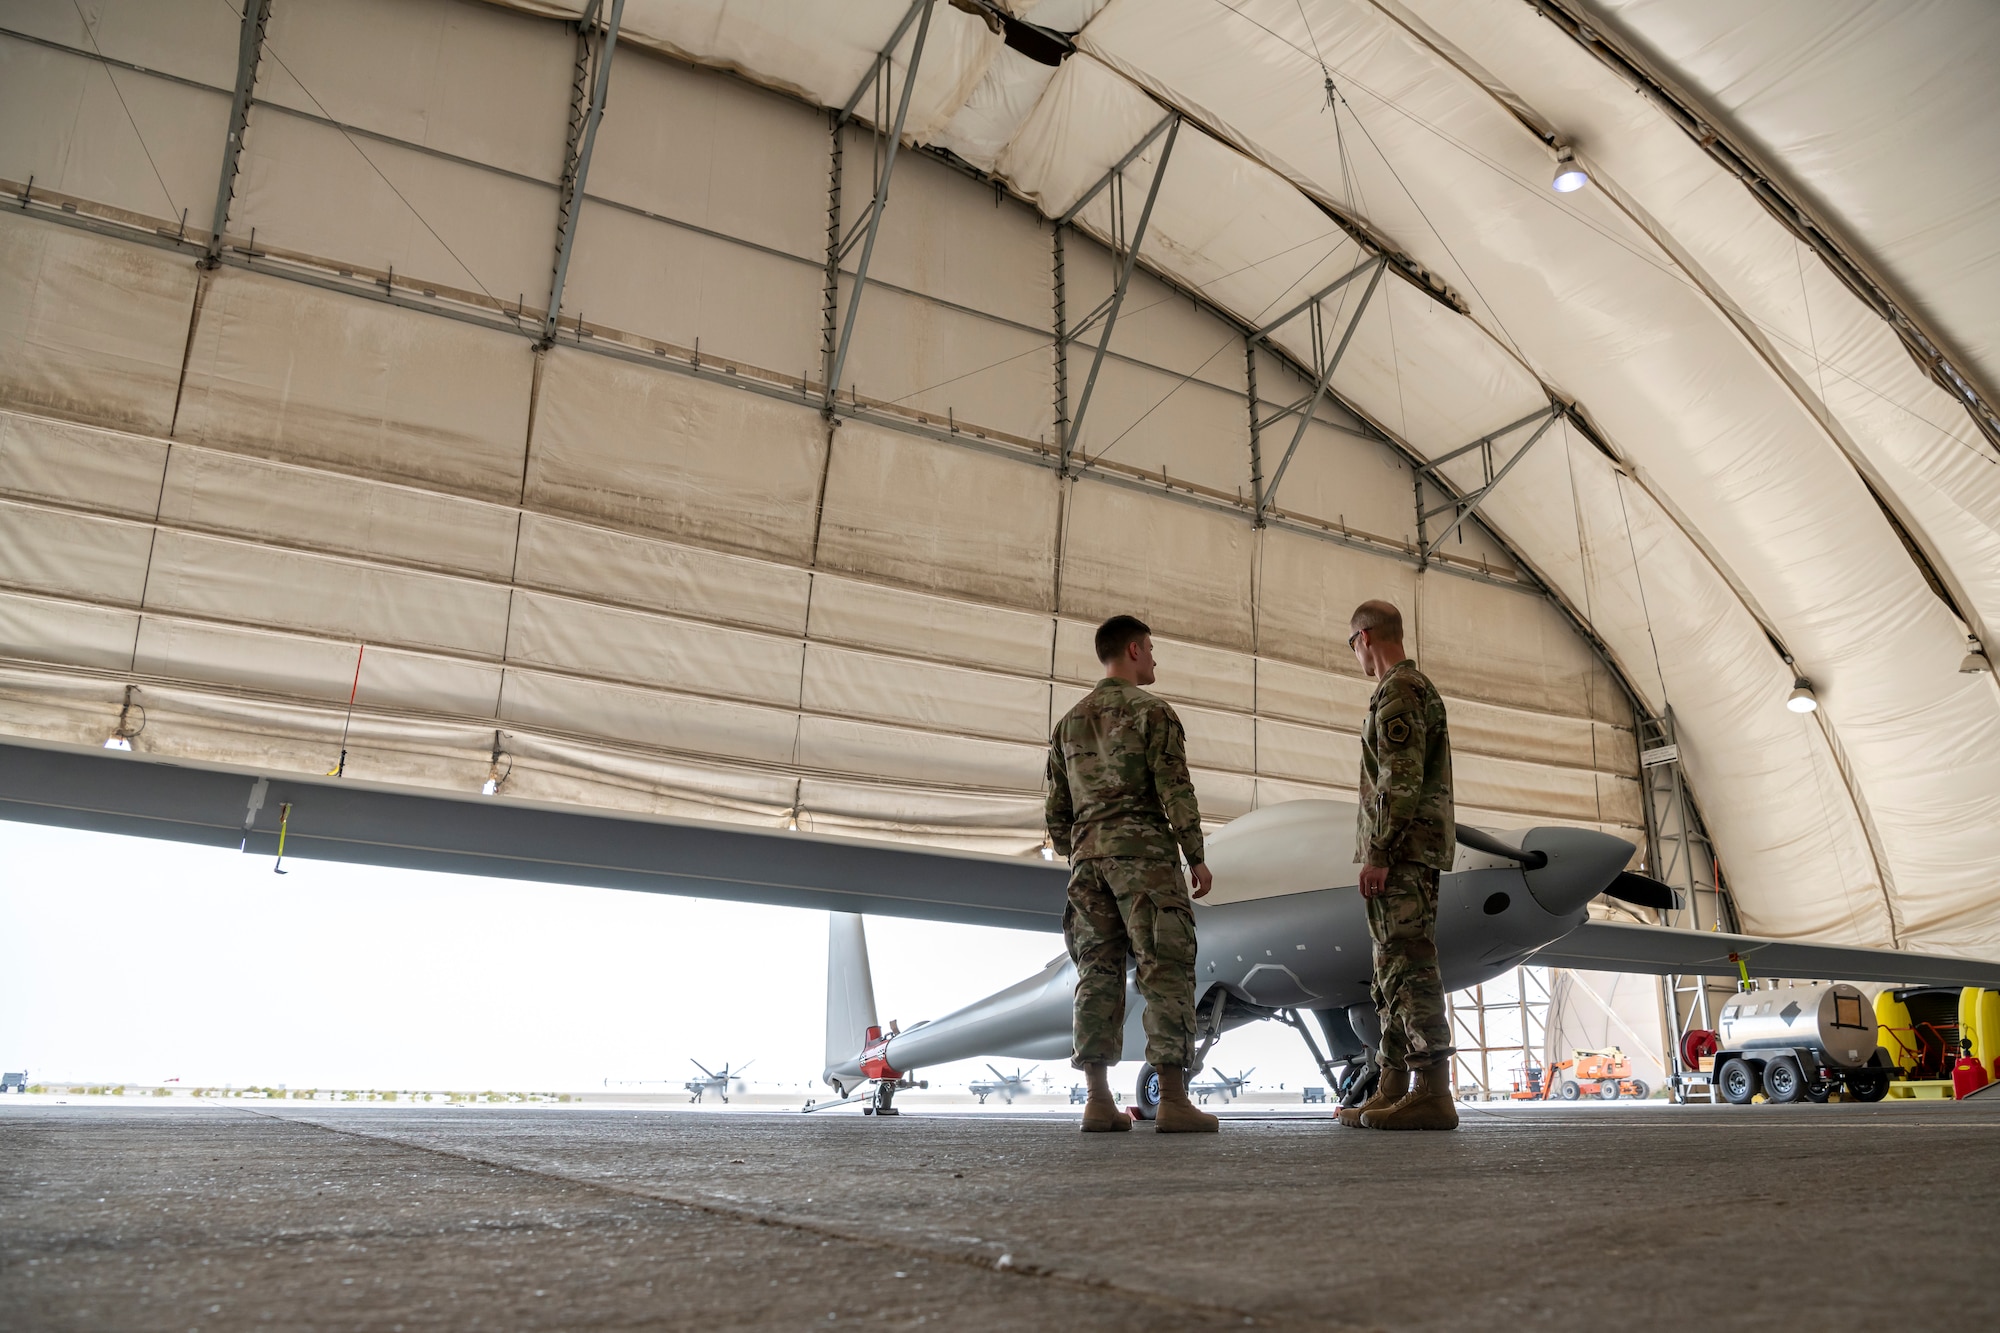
1544,1217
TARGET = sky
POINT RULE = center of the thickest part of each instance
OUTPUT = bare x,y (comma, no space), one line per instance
125,959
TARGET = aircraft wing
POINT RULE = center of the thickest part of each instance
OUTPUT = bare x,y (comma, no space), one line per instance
423,829
1611,946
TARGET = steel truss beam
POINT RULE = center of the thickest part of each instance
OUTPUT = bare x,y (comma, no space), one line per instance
249,55
1465,506
1679,853
867,227
583,119
1108,308
1268,494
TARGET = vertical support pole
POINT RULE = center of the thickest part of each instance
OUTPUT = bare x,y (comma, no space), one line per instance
829,326
1062,342
883,66
249,55
576,165
1256,431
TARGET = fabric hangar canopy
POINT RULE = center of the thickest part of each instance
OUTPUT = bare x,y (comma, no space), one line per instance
680,407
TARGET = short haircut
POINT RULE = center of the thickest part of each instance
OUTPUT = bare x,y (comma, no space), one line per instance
1117,634
1385,620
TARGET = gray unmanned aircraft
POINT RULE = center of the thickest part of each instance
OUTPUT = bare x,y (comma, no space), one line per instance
1283,934
719,1081
1226,1086
1004,1086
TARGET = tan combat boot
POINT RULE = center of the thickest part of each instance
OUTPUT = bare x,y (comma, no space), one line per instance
1101,1113
1428,1105
1177,1115
1389,1089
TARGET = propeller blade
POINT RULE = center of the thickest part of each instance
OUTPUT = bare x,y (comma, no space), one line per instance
1481,841
1641,891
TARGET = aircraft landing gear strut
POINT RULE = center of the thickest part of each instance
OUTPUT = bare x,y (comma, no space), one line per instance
884,1100
1351,1075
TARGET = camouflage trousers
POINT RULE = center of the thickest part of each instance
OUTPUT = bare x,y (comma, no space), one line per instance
1120,905
1409,997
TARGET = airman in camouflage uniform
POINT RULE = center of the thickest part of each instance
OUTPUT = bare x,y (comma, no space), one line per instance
1404,836
1121,807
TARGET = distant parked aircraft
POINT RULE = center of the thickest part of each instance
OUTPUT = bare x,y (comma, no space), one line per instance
1006,1088
722,1082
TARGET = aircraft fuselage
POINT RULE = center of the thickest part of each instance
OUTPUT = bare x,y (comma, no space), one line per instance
1285,928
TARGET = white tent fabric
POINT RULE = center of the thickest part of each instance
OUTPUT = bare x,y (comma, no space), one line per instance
641,566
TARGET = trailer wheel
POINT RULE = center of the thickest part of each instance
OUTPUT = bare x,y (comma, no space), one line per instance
1820,1092
1868,1085
1608,1090
1569,1091
1782,1080
1148,1092
1738,1082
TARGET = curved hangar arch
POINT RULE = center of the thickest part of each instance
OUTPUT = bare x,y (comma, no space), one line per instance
637,569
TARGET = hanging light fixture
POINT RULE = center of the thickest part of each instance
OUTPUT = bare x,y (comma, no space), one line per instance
1975,659
1802,699
1569,175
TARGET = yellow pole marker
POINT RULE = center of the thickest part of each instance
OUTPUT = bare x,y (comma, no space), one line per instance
284,819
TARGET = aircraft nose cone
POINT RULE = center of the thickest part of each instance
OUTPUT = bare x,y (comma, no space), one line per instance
1582,863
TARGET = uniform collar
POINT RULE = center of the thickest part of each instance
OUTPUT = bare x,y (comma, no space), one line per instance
1409,662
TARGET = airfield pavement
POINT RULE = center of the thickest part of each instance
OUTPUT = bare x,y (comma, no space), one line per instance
1619,1216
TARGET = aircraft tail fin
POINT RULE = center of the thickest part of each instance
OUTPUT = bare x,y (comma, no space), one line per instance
850,990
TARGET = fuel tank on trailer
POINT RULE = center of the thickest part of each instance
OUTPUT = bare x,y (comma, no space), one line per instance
1832,1016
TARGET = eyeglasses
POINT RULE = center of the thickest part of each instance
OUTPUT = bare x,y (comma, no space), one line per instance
1352,637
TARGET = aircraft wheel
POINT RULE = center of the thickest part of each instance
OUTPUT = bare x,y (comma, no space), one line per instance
1868,1085
1738,1082
1782,1080
1569,1091
1608,1090
1148,1092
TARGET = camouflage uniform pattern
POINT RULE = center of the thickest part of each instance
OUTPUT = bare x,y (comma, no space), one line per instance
1408,994
1405,812
1405,824
1128,904
1118,779
1122,808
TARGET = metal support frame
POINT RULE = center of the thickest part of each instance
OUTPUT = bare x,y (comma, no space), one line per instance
1465,506
1310,406
584,116
1059,284
249,55
1108,309
1525,1016
1256,427
1679,853
867,227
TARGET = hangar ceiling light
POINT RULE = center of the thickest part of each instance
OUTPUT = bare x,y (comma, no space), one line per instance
1802,699
1569,175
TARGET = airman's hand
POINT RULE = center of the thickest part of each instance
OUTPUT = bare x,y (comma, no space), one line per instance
1374,881
1203,880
